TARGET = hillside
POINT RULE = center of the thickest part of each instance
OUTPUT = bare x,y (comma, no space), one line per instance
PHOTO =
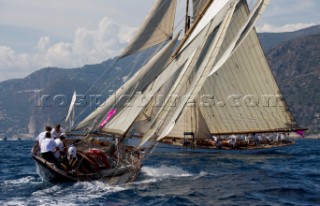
270,40
296,67
27,105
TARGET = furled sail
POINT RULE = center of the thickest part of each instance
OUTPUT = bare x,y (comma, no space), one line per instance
135,84
157,27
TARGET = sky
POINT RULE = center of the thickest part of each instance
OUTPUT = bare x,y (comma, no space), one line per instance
71,33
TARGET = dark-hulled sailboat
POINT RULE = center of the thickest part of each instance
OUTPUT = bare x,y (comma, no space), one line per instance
216,82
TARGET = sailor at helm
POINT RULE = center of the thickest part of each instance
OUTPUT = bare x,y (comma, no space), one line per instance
232,141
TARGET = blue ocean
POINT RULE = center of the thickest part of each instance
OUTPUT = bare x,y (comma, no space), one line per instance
290,176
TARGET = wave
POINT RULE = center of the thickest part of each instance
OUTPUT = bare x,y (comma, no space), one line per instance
165,171
24,180
64,194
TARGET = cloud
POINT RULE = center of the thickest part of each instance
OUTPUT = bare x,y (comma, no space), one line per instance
88,47
285,28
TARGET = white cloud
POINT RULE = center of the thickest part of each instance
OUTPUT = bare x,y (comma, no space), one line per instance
285,28
43,43
88,47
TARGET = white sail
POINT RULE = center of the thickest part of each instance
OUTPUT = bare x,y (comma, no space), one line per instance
71,107
198,7
135,84
221,60
173,107
191,121
157,27
242,33
215,50
121,122
242,96
217,11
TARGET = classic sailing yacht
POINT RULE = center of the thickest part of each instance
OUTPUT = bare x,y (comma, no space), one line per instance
215,82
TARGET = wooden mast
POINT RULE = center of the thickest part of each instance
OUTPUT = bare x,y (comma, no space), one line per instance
192,28
187,21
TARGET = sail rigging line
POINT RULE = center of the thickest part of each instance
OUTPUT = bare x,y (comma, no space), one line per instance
149,54
149,72
92,86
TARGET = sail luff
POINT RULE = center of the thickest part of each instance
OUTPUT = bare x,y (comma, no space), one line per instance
156,28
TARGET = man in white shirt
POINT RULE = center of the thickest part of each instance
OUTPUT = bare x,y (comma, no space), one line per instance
232,141
60,145
72,152
42,135
47,148
57,131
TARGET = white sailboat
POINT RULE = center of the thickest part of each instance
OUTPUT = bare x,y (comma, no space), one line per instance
216,82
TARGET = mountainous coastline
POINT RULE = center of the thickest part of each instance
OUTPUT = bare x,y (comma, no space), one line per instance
27,105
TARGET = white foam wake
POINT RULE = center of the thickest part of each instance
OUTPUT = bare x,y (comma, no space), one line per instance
165,171
23,180
86,191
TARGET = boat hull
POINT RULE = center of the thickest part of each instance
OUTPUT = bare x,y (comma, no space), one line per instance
163,147
121,175
90,168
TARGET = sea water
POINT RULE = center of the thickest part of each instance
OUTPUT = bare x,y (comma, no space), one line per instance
290,176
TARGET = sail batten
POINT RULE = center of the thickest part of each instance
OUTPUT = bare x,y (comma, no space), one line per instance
157,27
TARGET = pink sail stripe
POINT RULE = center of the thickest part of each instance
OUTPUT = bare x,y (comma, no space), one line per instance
300,132
111,113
